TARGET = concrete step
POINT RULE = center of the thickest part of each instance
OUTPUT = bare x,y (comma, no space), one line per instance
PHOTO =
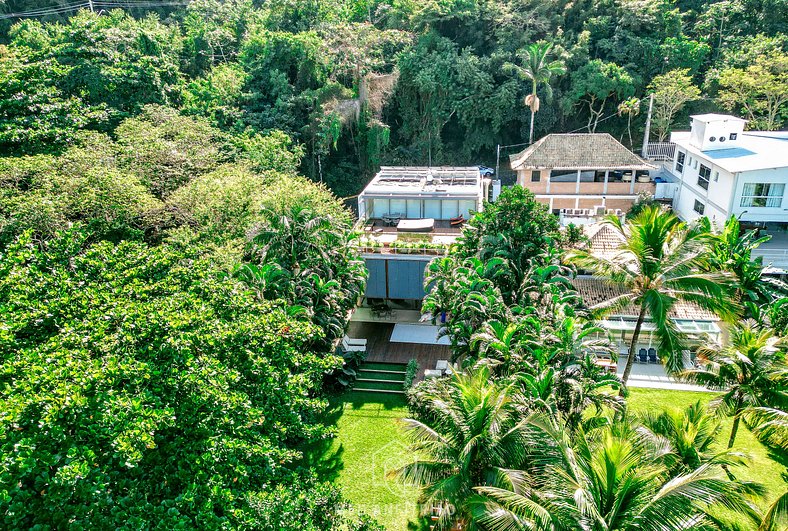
381,375
387,391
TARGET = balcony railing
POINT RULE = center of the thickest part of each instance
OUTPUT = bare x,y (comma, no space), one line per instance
660,151
399,247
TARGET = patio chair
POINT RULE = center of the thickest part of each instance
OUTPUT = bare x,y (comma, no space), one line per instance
432,373
652,355
643,356
355,341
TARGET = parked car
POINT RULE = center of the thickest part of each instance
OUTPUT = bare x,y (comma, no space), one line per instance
484,171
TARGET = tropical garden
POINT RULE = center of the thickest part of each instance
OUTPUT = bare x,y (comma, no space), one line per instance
530,433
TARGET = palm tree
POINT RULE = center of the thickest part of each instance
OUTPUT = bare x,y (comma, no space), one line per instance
732,251
661,261
611,479
629,107
770,425
751,371
504,342
474,438
692,432
538,69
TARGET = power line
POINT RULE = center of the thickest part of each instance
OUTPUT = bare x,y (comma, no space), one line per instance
106,4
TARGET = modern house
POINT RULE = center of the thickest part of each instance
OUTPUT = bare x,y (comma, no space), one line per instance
407,216
723,170
585,171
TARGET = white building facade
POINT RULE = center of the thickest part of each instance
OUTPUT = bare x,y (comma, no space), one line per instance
725,171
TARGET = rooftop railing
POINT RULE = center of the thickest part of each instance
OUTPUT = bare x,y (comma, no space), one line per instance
423,248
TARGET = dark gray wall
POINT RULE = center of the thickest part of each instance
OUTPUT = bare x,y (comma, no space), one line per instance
395,279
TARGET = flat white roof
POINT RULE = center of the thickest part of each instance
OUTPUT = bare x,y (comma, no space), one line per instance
425,182
715,117
756,150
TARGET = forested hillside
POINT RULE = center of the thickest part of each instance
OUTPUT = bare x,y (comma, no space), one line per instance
357,83
176,268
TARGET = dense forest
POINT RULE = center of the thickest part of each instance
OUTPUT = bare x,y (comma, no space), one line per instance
358,83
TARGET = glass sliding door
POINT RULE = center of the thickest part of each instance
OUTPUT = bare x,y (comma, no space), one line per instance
450,208
414,209
432,209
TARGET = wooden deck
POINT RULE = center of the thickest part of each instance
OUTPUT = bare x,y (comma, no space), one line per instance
381,350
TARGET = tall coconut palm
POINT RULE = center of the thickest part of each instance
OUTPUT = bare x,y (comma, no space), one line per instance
661,261
751,371
538,68
629,108
611,479
475,438
692,432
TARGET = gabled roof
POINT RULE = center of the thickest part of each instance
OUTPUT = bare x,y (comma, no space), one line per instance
603,240
578,151
596,290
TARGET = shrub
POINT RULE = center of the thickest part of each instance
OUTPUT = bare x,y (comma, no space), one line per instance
410,374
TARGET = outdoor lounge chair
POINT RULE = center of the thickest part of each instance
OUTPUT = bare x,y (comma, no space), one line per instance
643,356
349,347
457,222
432,373
652,355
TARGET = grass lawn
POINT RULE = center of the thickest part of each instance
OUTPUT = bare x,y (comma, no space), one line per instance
762,469
371,442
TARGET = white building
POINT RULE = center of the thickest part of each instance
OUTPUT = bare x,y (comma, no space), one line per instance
725,171
438,193
407,216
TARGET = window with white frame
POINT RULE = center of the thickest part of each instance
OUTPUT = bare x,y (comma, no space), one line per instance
703,177
762,195
680,161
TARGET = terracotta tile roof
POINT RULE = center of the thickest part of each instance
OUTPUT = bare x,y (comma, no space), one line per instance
578,151
603,240
596,290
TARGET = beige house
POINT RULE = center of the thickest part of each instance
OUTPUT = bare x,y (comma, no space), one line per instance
583,171
698,324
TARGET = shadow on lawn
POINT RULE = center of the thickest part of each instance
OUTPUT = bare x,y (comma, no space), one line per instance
359,399
321,456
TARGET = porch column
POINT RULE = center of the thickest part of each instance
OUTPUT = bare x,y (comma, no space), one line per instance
607,175
577,185
632,184
547,174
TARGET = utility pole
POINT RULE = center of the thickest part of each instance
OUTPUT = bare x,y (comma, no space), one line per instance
646,134
497,161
